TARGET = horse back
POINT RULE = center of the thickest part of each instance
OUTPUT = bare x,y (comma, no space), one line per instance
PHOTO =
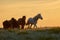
6,24
30,21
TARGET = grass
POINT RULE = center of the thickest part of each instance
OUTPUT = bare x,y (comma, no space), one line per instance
22,33
17,34
55,30
47,38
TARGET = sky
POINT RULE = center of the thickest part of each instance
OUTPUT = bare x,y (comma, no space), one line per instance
49,9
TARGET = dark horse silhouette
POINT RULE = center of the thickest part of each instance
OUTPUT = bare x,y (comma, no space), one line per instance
22,22
6,24
10,24
14,23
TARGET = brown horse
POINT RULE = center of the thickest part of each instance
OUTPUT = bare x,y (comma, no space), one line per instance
10,24
22,22
14,23
6,24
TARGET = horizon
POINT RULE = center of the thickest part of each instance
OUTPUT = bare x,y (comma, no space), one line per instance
49,9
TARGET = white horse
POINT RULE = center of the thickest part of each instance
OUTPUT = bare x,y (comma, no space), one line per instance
33,21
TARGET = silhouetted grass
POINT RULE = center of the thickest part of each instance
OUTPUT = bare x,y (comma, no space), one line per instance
55,30
47,38
22,33
16,34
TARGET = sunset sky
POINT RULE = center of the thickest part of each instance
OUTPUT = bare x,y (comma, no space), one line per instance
49,9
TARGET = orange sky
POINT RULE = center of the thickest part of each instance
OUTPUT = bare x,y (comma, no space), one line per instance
50,10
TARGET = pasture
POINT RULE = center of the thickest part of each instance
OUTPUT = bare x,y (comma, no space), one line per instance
30,34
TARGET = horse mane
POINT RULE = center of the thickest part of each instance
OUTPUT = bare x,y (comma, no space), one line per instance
36,17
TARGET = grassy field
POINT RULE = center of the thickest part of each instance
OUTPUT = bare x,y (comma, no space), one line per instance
30,34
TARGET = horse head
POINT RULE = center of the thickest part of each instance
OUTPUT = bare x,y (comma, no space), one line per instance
40,16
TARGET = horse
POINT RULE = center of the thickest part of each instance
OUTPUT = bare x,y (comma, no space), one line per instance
33,21
14,23
22,22
6,24
10,24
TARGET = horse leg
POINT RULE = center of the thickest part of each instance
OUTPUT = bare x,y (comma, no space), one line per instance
30,26
22,26
35,25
